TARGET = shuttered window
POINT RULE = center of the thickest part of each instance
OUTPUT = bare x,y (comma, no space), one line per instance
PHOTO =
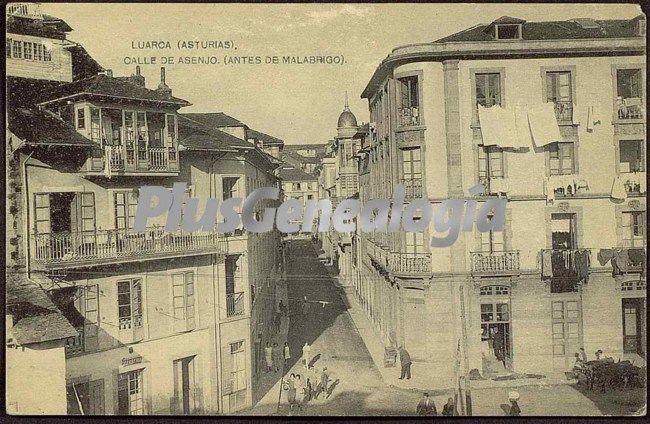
183,301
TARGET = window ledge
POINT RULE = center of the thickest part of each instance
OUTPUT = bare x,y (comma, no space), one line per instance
618,121
410,128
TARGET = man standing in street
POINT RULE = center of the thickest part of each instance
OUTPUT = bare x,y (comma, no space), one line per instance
426,406
306,355
405,361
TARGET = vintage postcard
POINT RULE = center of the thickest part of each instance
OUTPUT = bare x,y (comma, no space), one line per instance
326,209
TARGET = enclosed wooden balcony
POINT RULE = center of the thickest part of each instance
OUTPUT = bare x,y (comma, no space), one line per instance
125,160
100,247
497,263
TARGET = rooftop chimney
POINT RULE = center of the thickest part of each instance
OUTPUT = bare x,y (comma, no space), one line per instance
162,87
137,78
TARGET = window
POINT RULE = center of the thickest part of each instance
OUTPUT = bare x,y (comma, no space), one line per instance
129,304
634,228
409,101
27,48
631,156
490,162
238,374
508,32
415,243
561,158
38,51
126,203
629,92
488,89
17,51
95,125
8,47
130,400
229,187
492,241
47,54
183,301
81,118
559,92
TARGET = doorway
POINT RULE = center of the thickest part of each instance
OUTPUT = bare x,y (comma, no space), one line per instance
185,385
496,328
634,325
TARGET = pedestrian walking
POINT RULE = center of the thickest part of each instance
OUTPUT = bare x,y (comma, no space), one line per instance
450,408
514,411
405,361
277,357
291,391
282,308
268,356
286,353
306,355
324,379
300,391
426,406
305,307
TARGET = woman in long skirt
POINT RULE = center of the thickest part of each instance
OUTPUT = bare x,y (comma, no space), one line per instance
300,391
291,391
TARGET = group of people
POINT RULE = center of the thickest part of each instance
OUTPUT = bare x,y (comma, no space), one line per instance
428,407
276,358
302,389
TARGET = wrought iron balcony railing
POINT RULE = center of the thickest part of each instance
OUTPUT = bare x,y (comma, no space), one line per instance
412,187
234,304
69,249
495,262
415,263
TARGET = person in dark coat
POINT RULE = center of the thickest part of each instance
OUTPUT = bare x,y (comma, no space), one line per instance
426,406
499,346
405,361
450,408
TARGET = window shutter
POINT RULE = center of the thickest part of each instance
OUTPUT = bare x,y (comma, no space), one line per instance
91,318
507,231
190,309
97,397
226,369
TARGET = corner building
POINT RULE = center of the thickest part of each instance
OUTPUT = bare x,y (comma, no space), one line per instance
547,283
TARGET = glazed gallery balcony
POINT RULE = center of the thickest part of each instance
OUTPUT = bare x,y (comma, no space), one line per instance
399,262
504,262
99,247
125,159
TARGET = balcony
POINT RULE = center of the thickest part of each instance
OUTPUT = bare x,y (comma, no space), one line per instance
563,111
565,268
495,263
629,260
126,160
408,116
234,304
412,187
92,248
410,263
630,108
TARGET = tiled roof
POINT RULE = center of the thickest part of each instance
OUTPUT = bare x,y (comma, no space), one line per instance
43,128
49,27
83,65
264,138
215,119
196,136
103,85
550,30
27,91
295,174
42,328
36,318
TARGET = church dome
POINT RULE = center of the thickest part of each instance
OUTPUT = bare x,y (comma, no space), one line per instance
347,119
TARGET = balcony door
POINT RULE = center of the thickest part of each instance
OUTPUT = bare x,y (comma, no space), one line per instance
563,231
412,172
564,243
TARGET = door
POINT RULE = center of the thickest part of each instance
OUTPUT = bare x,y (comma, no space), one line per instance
633,325
185,385
566,332
496,330
563,231
130,396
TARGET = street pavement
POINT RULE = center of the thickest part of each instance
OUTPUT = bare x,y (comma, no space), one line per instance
359,388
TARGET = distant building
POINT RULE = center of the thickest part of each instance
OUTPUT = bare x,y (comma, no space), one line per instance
305,156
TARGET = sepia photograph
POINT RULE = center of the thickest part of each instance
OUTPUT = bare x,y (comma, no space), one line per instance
311,209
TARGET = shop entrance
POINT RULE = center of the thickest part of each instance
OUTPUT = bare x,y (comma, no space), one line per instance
496,329
634,325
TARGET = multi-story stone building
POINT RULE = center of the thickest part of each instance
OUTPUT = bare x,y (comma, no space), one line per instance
165,322
496,104
304,156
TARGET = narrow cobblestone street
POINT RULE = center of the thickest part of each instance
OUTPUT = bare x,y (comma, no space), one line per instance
358,385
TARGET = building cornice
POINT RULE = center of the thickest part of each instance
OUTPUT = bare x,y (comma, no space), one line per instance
502,49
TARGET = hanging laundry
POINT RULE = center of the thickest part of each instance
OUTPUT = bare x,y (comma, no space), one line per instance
524,138
499,185
107,161
592,118
543,124
604,256
636,181
622,260
581,263
618,189
636,256
497,126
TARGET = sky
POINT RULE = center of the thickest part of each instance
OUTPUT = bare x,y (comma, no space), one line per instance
297,103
